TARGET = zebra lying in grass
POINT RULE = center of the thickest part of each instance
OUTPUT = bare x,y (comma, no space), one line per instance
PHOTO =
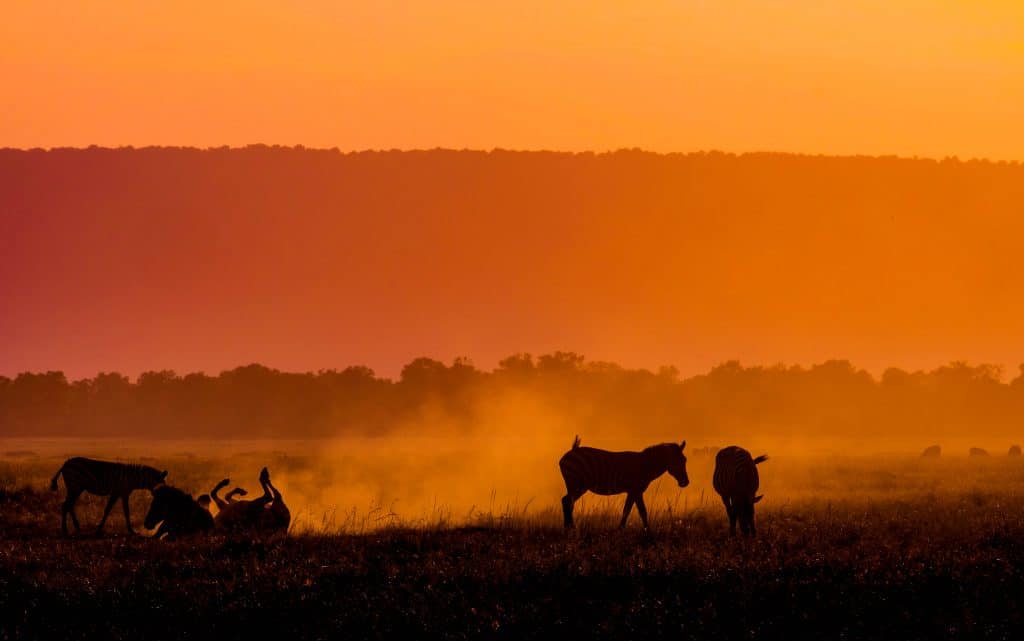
177,513
268,513
104,478
602,472
736,481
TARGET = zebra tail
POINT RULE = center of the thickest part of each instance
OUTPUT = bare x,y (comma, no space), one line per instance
53,481
761,459
576,442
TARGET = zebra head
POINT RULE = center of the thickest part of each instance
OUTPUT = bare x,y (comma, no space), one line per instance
677,464
168,503
159,508
154,477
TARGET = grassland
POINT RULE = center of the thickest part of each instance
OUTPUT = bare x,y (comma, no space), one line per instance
890,548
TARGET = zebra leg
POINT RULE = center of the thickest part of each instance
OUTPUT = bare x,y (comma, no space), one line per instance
626,510
68,507
642,509
567,504
127,515
106,512
732,516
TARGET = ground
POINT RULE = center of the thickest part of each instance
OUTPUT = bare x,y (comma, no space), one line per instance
928,560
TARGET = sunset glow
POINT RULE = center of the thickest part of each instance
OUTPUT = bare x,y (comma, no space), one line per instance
908,77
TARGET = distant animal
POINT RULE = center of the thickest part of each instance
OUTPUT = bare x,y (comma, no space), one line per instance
1014,450
606,473
977,451
103,478
265,514
710,450
177,513
932,452
736,481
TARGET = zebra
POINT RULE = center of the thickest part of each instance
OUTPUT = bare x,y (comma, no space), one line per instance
267,513
606,473
103,478
177,513
229,498
736,481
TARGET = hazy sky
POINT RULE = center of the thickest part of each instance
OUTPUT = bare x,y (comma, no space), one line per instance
908,77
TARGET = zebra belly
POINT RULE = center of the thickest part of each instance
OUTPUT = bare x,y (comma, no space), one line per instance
609,490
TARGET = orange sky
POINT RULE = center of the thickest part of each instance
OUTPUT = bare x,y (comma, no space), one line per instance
909,77
207,261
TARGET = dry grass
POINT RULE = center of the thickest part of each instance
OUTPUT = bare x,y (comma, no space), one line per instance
848,548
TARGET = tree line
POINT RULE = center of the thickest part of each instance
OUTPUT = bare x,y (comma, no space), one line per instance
833,398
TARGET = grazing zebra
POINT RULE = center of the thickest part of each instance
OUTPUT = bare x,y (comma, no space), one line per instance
177,513
606,473
104,478
268,513
736,481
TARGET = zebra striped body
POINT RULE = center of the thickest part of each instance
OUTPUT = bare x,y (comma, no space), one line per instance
103,478
178,513
736,481
588,469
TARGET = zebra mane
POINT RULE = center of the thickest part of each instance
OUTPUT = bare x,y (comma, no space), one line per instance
655,449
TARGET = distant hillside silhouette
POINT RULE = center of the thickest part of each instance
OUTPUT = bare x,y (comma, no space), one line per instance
203,259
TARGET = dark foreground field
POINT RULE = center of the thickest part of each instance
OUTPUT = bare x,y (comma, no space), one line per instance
923,566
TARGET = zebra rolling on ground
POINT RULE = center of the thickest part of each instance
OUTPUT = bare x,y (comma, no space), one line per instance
267,513
103,478
736,481
229,498
602,472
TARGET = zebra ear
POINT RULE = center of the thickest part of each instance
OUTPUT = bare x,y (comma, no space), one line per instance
163,475
758,498
683,446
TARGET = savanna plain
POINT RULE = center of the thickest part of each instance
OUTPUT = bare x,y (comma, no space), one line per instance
450,538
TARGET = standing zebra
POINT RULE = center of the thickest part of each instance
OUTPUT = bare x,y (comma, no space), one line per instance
104,478
606,473
736,481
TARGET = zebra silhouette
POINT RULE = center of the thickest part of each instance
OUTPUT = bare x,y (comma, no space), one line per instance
229,498
103,478
736,481
606,473
267,513
177,513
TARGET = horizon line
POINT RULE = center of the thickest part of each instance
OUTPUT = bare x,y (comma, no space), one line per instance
950,158
998,368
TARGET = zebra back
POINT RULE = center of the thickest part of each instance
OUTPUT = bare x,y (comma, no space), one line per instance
736,473
107,478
